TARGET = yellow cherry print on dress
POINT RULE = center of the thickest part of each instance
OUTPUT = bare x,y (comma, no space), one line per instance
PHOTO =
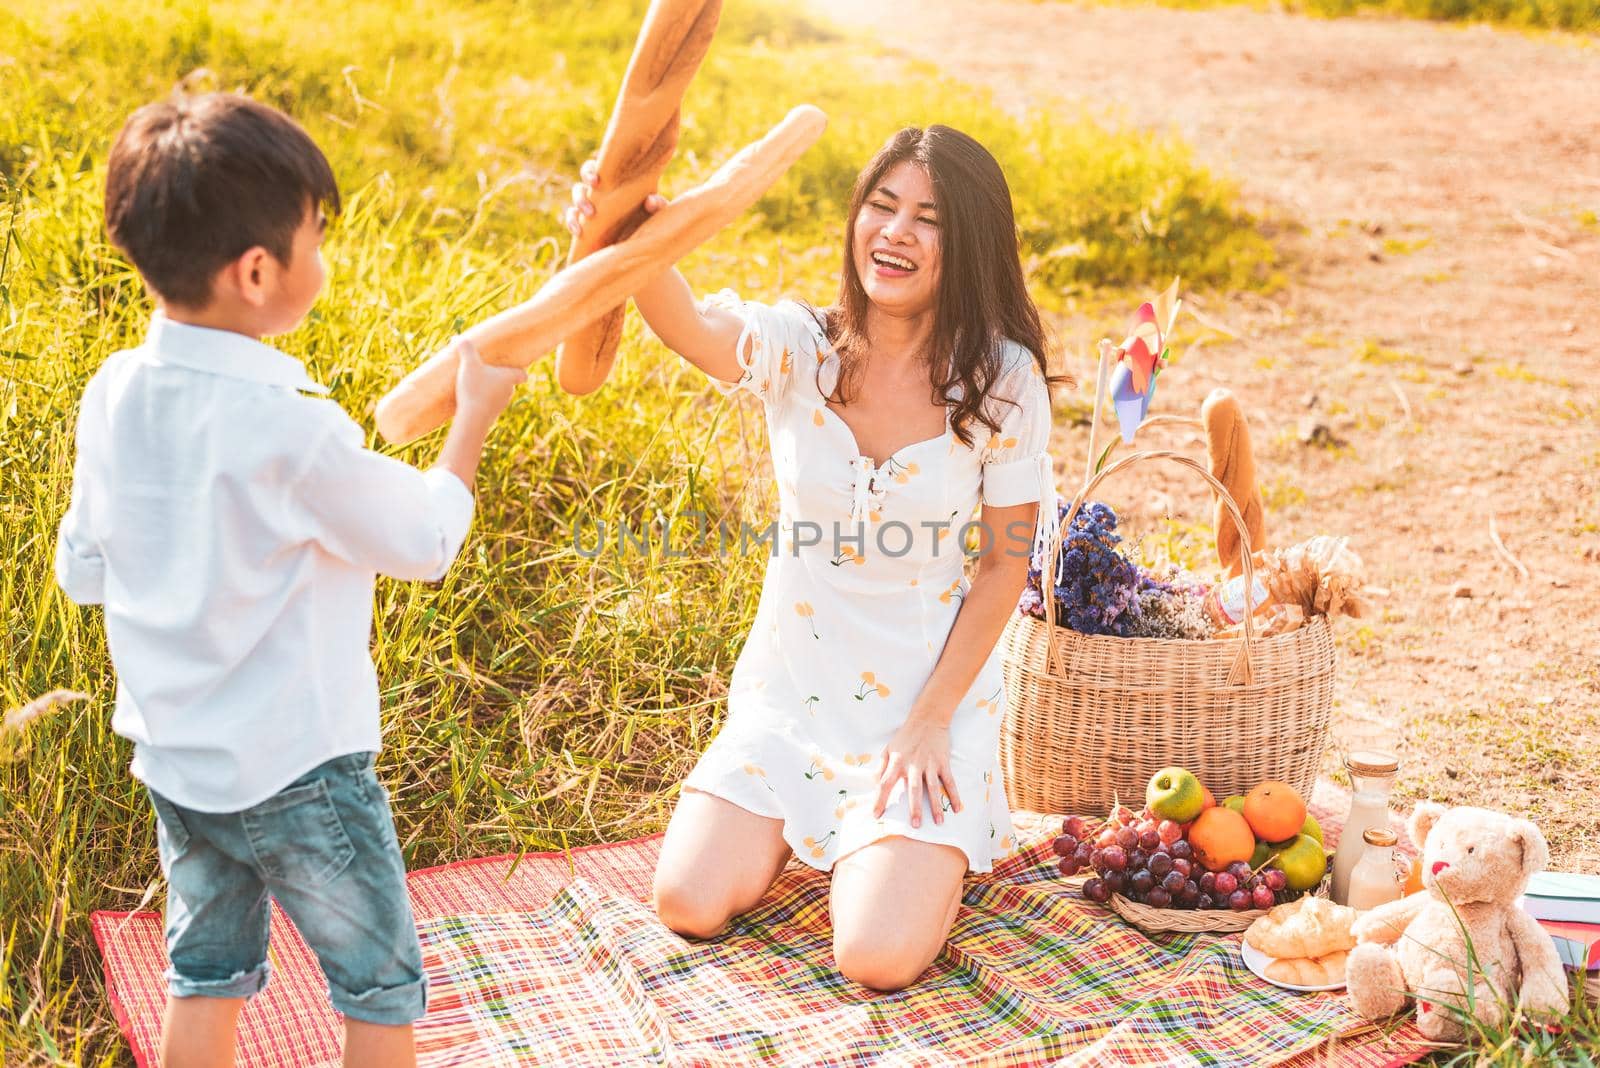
804,610
816,417
991,704
901,472
818,846
846,803
848,555
758,772
996,443
870,685
819,769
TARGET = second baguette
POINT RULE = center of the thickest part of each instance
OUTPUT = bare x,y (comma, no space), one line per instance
583,292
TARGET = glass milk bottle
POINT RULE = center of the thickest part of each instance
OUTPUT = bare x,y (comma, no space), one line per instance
1371,776
1378,875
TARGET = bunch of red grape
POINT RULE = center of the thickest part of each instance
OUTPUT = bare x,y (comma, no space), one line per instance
1146,859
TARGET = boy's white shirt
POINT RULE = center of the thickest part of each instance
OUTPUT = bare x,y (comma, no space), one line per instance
233,526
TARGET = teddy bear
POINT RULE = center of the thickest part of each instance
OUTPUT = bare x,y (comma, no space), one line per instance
1479,861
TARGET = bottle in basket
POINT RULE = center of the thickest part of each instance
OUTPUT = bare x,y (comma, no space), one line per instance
1225,606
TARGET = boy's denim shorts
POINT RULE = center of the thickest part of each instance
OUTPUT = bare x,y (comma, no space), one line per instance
324,846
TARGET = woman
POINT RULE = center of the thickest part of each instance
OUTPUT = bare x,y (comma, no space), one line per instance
864,711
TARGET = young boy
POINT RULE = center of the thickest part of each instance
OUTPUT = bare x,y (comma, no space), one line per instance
231,522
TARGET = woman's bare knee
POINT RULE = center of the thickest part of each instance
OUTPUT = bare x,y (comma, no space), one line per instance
882,962
688,910
892,904
716,862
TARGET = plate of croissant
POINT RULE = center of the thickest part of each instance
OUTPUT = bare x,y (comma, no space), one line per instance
1301,945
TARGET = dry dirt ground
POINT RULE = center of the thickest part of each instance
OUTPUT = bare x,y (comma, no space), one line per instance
1434,191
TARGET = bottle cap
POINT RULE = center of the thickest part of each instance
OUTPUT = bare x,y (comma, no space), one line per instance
1372,762
1379,836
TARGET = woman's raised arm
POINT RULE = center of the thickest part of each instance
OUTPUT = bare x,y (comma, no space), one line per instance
705,335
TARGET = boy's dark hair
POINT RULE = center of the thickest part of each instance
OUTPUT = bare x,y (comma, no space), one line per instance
194,182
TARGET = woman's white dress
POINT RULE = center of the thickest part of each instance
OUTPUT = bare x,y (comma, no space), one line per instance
862,586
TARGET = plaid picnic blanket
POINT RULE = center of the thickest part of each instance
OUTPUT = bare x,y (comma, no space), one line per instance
557,960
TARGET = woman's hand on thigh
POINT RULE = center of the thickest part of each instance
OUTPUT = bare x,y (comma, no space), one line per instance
919,753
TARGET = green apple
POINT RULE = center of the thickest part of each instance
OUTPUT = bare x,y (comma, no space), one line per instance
1175,794
1236,802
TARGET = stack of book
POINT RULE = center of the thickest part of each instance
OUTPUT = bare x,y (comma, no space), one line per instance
1568,906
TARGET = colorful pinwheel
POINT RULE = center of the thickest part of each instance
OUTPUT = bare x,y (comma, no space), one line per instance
1141,358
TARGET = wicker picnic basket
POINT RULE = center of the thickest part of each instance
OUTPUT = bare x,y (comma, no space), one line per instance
1091,718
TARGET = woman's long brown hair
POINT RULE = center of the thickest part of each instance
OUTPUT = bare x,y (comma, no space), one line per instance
982,297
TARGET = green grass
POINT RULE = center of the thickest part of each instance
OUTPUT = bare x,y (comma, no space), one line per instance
1575,15
534,699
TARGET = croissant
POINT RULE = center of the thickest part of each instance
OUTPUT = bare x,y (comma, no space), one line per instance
1310,971
1309,927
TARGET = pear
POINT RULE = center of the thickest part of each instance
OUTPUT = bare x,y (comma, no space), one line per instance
1302,862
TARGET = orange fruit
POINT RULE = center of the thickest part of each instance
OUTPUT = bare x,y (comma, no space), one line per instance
1414,877
1274,811
1220,836
1210,798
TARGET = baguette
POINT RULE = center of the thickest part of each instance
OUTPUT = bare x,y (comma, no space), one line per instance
639,141
1233,464
580,294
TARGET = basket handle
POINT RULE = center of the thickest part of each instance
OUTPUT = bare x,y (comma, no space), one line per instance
1173,420
1243,671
